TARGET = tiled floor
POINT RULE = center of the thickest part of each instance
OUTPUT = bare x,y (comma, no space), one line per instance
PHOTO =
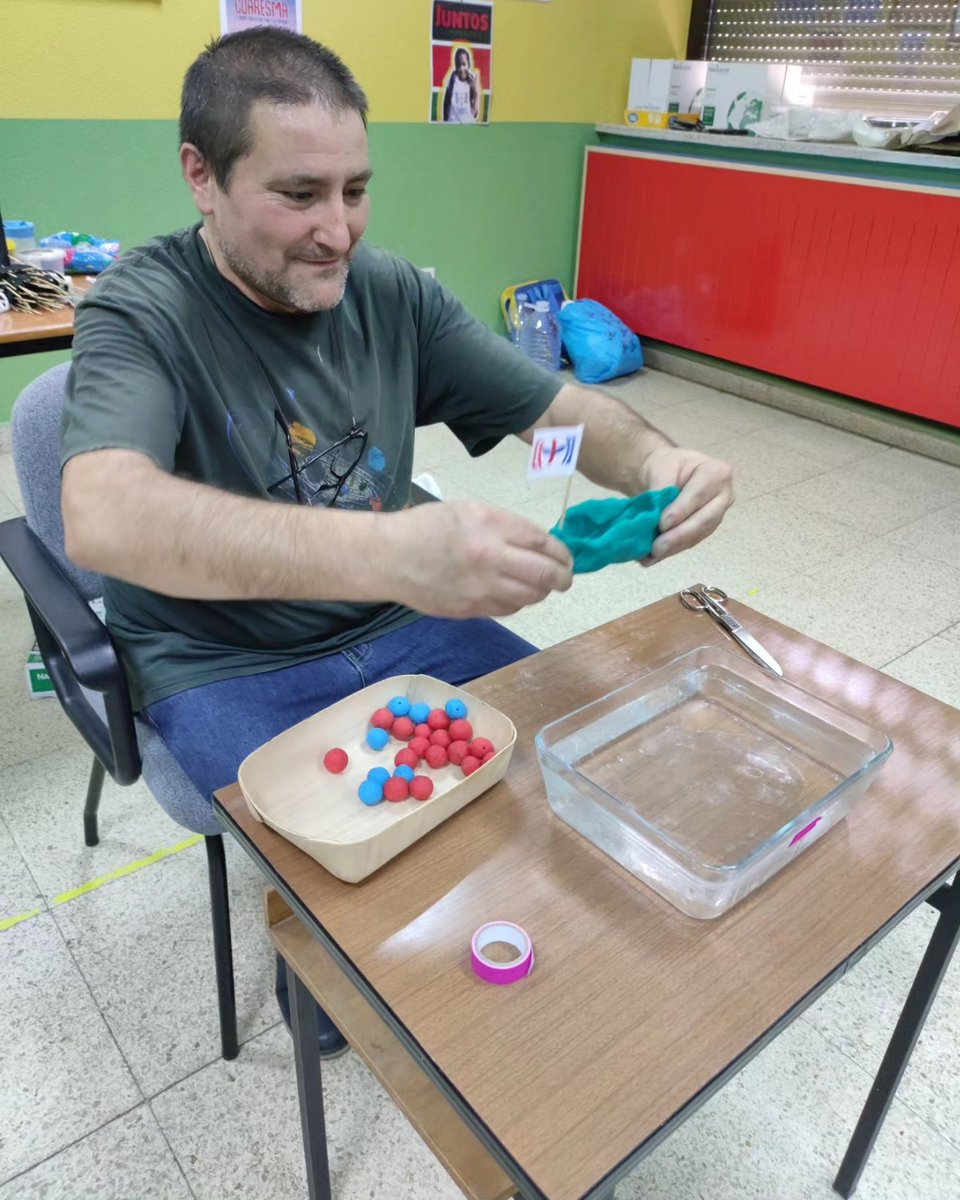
110,1082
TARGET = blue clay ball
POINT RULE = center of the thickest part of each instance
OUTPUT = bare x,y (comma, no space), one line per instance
404,772
371,792
399,706
418,713
378,775
377,739
456,710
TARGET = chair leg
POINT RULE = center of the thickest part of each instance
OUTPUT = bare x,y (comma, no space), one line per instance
91,834
222,946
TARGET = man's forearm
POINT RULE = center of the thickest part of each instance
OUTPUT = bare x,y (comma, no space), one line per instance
616,441
140,524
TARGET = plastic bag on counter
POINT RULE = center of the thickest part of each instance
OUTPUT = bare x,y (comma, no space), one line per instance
600,346
935,128
802,124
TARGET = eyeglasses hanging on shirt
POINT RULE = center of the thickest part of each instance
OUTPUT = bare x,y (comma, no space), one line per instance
340,466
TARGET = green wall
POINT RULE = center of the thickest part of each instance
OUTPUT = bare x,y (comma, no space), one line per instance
487,206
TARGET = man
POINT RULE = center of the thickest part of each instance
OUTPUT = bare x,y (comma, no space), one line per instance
461,100
238,435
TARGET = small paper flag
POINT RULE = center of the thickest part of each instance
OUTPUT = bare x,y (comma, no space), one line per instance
555,451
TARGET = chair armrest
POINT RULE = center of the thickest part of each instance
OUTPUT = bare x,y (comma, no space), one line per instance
77,650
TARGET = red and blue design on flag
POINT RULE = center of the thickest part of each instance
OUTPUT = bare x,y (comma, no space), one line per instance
555,451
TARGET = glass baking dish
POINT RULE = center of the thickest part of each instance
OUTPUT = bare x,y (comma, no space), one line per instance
706,776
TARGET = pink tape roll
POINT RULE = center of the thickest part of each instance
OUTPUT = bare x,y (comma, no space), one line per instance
495,972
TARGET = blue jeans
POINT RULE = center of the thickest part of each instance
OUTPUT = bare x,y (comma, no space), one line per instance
211,729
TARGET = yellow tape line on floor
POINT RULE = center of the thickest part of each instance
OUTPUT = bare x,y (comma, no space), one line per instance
94,884
9,922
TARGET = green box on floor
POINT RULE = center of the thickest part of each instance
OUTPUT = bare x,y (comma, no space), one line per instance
39,683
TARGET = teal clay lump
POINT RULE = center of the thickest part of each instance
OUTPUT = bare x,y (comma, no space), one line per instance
601,532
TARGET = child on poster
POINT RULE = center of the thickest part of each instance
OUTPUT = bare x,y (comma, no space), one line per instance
461,50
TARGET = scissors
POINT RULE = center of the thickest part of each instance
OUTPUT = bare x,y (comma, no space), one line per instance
711,600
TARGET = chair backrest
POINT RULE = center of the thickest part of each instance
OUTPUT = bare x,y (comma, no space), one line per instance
35,426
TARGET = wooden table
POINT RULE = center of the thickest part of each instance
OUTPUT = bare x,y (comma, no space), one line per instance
33,333
634,1014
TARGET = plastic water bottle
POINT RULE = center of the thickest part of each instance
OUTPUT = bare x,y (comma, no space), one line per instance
516,316
539,337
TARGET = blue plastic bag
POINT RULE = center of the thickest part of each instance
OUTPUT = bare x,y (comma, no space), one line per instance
600,346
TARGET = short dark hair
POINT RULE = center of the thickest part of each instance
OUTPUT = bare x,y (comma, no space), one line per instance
264,63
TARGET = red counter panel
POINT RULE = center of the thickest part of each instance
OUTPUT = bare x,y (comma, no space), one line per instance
848,285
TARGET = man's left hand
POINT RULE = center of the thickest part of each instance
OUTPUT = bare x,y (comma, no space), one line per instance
706,492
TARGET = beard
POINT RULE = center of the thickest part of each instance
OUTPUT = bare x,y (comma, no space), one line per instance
278,287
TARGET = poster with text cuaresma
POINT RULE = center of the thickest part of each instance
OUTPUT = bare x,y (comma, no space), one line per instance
244,14
461,60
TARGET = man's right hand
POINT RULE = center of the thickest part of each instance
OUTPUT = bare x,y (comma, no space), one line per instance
466,559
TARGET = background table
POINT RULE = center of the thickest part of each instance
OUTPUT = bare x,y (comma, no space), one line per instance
635,1014
33,333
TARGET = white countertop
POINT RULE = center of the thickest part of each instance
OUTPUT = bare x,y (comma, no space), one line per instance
757,145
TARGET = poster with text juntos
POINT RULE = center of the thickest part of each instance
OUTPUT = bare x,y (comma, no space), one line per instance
461,49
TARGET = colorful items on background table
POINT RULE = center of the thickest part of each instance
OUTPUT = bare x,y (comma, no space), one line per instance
84,254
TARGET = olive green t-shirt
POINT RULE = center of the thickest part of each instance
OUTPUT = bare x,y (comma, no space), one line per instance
172,360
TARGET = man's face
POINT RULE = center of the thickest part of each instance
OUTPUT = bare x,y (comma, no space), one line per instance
463,66
295,209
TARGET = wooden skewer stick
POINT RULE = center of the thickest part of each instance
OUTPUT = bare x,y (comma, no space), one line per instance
566,499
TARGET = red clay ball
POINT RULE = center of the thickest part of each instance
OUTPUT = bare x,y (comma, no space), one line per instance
457,752
481,747
407,758
421,788
461,731
437,757
487,757
396,789
422,730
383,718
438,719
469,765
335,760
440,737
403,729
419,746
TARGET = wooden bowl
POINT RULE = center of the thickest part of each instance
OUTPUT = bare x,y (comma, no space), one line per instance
287,787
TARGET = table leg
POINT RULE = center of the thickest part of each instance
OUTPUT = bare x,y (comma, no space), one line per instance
305,1029
932,969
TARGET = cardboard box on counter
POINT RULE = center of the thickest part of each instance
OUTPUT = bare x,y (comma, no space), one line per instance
736,95
661,88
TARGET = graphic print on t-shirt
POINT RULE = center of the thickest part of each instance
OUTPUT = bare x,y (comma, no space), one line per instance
347,467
